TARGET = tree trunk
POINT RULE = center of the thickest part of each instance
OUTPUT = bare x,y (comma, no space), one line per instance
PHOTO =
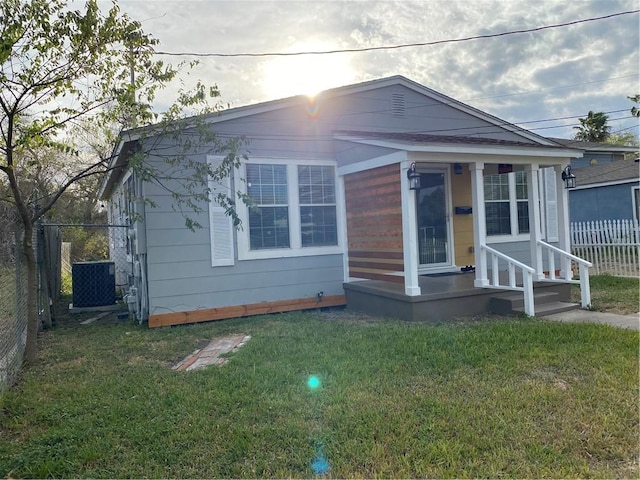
31,347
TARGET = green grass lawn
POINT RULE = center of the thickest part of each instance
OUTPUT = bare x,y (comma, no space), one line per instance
501,397
612,294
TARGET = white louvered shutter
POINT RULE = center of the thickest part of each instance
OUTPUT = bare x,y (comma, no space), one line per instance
220,224
551,205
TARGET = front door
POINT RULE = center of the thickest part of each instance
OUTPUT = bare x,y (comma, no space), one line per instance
433,219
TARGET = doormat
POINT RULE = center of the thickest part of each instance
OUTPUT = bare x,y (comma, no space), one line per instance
446,274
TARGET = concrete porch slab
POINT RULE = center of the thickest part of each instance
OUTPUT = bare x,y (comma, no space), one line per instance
443,297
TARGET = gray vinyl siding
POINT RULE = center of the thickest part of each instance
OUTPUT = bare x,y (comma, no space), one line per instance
520,251
195,284
181,278
294,133
346,154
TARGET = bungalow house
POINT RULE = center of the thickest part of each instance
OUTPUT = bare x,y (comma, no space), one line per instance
338,216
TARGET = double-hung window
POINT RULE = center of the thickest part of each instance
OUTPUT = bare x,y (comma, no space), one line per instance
506,204
293,211
269,216
317,196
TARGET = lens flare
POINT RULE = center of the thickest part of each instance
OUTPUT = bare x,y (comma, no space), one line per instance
313,382
312,108
320,465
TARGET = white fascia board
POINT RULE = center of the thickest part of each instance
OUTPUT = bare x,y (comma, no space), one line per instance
466,149
615,149
115,154
606,184
382,161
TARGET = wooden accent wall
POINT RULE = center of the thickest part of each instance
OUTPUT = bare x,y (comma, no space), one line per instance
374,223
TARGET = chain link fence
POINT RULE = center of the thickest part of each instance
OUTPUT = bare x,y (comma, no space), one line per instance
13,307
79,268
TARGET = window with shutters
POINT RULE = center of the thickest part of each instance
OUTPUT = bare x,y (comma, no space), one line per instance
507,205
294,210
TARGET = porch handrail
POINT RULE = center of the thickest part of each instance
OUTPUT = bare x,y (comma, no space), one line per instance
512,264
566,273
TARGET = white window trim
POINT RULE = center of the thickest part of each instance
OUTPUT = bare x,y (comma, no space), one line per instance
295,234
545,205
635,206
513,217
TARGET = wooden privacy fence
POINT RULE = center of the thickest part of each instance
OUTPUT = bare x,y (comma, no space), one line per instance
613,246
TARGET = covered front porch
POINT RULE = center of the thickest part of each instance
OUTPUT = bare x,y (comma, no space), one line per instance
409,246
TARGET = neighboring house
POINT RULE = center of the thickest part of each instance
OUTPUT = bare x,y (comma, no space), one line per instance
335,220
606,192
597,153
607,178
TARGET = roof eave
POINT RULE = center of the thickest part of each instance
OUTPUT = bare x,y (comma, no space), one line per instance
442,147
117,166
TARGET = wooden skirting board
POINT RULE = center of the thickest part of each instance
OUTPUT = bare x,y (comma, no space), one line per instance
223,313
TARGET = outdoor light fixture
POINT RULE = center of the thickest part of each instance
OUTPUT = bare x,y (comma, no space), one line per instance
414,177
568,177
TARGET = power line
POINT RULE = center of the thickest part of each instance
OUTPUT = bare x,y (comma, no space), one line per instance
395,47
566,118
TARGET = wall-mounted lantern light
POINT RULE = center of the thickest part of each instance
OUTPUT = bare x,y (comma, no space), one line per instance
457,168
568,177
414,177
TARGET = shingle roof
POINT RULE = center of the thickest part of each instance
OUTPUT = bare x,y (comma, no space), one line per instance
425,138
608,172
594,146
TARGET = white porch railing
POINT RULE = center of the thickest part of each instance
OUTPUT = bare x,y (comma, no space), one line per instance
566,273
494,256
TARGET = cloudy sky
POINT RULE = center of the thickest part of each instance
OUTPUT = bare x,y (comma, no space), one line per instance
530,77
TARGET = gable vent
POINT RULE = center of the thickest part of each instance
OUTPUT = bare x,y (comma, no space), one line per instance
397,104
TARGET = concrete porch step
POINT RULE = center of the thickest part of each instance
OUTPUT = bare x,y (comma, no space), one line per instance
545,303
551,308
513,302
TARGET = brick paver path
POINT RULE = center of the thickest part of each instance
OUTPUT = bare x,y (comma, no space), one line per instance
210,355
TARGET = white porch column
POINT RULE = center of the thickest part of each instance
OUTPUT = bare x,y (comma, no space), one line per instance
479,223
534,220
409,234
564,235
